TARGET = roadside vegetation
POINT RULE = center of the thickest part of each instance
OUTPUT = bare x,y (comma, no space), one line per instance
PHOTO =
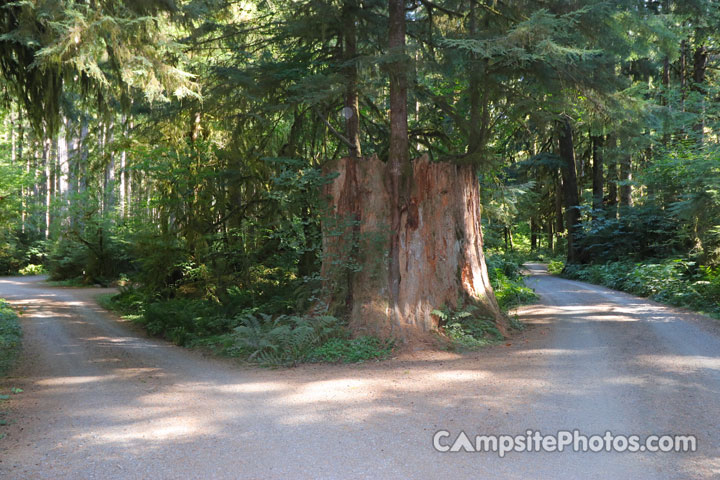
10,337
261,334
674,281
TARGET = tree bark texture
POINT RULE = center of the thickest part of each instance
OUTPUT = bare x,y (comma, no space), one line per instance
440,257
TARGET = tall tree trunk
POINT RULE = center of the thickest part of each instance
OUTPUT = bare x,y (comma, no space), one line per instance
109,177
700,60
570,188
46,190
683,72
558,197
13,145
20,161
625,178
597,174
613,174
352,109
533,234
478,110
398,153
63,167
73,168
84,155
549,230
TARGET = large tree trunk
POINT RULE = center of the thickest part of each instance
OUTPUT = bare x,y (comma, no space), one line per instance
440,254
570,189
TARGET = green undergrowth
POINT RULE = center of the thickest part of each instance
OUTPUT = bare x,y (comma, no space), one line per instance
32,269
10,337
506,278
270,334
679,282
256,337
466,328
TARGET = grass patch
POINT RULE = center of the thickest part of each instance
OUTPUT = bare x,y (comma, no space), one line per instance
10,337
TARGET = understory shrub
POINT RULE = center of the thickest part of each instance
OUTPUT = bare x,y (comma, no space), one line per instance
352,350
181,320
10,336
32,269
284,339
466,328
506,278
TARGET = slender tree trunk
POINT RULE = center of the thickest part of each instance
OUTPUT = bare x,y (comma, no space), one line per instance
109,177
625,178
559,221
683,72
700,60
613,174
549,230
570,189
477,109
84,155
20,161
597,174
47,182
13,145
64,168
352,109
533,234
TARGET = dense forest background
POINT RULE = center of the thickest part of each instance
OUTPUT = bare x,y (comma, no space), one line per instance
183,150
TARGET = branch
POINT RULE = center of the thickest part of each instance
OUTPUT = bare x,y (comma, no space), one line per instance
339,135
446,11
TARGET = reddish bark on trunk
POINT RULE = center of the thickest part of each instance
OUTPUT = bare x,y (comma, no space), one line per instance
440,257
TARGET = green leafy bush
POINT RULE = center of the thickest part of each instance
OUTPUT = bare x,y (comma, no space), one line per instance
32,269
284,339
183,320
465,328
506,278
555,267
10,336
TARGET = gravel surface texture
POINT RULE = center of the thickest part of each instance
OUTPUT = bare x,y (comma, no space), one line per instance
102,401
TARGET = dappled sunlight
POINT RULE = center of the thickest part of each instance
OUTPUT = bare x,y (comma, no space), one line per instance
63,381
551,351
144,399
703,466
680,363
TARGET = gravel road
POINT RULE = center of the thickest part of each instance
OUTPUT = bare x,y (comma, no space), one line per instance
101,401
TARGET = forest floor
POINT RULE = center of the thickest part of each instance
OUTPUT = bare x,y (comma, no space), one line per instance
101,400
